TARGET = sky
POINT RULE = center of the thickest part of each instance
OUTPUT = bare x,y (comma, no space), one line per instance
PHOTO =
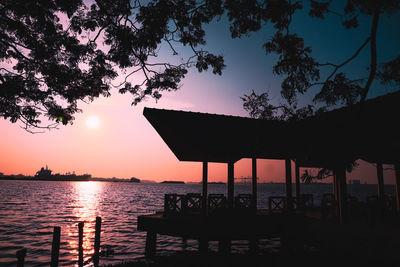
120,142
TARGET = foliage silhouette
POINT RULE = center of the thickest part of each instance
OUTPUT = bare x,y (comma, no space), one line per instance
59,52
301,71
56,53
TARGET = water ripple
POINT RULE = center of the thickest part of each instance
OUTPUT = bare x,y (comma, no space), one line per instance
30,209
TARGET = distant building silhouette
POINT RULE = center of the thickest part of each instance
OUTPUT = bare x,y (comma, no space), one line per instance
135,180
355,181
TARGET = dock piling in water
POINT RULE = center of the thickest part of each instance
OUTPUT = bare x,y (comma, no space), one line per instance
21,257
151,242
97,242
80,244
55,248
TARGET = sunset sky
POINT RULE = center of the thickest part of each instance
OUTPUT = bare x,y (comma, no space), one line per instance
111,138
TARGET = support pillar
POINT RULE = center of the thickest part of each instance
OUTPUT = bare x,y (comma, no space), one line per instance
381,190
254,183
97,233
298,183
230,184
253,242
204,184
340,174
151,242
289,198
21,254
397,178
335,187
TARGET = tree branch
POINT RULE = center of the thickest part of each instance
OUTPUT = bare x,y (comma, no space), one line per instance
372,72
337,67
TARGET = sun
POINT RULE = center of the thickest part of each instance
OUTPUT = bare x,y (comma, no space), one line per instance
92,122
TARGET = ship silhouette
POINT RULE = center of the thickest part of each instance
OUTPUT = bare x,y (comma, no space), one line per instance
46,174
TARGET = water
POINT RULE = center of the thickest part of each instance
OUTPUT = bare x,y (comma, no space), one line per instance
30,209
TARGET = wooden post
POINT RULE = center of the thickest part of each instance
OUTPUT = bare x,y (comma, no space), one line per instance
224,246
203,245
340,174
253,245
335,186
184,243
397,178
21,257
204,183
298,197
80,244
254,183
151,243
289,199
55,248
381,190
230,184
97,242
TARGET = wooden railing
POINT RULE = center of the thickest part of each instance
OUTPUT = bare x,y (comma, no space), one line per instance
276,204
191,203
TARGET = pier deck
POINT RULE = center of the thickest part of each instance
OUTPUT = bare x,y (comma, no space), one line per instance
297,231
223,227
236,226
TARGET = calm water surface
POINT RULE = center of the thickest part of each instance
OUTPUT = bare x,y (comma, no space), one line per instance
30,209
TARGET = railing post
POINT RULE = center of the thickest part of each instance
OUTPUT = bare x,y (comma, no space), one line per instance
253,245
21,257
80,244
224,246
203,245
297,173
381,190
55,249
97,242
397,184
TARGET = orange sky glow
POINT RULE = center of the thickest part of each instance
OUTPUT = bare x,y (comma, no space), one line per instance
125,145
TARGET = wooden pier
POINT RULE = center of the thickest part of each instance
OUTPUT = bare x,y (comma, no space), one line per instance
223,228
185,217
332,140
369,238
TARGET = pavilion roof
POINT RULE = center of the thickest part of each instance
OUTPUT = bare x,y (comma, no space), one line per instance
194,136
364,131
367,131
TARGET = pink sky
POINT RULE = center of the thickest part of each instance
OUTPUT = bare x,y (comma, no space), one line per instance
125,145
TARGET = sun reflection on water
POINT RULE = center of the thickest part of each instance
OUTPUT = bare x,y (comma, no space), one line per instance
86,209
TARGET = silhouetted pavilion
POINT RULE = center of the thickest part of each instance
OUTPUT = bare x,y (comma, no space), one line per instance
366,131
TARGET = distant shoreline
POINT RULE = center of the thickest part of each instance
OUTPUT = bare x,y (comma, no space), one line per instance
31,178
68,180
